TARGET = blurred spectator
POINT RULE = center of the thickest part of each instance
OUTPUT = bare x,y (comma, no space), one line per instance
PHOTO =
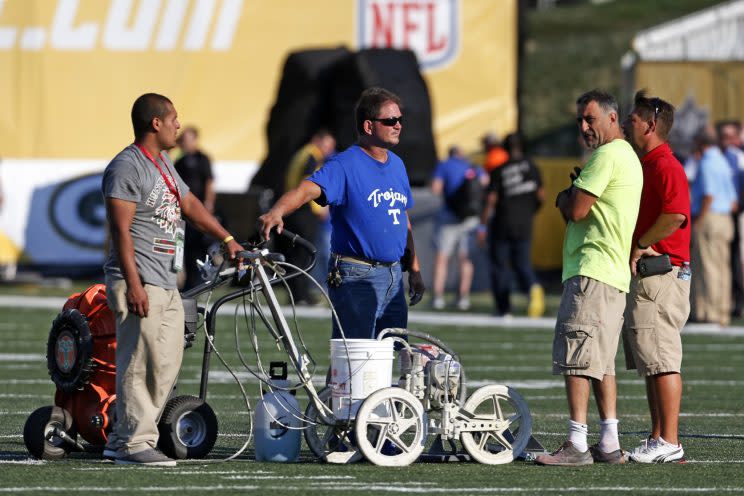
515,194
195,169
311,221
691,165
729,140
7,270
495,154
453,232
713,199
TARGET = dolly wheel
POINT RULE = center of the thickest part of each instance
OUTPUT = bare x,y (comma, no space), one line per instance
506,424
391,427
39,433
188,428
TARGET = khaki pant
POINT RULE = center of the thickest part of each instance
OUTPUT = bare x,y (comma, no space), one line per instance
711,268
148,358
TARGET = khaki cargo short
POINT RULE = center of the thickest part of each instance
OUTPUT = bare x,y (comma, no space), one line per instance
588,328
657,309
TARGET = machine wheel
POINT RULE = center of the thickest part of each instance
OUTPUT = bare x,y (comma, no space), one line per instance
38,433
391,427
330,443
188,428
70,351
503,406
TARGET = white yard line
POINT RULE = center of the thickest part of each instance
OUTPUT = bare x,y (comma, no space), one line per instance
21,357
22,366
180,471
532,490
7,382
390,488
288,477
33,396
29,461
128,489
640,434
415,316
222,377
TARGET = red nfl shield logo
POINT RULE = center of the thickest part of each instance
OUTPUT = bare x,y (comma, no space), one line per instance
431,28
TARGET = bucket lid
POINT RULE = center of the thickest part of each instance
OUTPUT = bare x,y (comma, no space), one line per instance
356,343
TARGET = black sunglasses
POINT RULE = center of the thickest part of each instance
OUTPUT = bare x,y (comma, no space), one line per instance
389,121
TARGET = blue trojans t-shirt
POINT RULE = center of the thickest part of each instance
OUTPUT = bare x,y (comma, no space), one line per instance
368,202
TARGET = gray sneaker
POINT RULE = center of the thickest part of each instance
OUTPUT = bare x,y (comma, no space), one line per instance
150,457
613,457
566,456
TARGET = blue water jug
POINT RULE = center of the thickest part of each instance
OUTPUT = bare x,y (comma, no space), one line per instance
277,420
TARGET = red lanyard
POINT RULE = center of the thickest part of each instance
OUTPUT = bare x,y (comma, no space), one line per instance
169,181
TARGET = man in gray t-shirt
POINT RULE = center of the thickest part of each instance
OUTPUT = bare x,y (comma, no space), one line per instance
133,178
146,202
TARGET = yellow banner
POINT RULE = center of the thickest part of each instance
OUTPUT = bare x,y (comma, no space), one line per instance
71,69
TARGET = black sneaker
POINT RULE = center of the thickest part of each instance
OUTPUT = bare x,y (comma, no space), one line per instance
150,457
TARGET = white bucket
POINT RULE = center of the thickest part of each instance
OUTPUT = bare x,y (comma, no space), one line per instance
371,365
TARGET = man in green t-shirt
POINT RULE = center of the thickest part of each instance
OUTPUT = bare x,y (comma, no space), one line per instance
601,208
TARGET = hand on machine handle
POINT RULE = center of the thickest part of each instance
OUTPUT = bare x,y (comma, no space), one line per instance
269,221
232,249
293,238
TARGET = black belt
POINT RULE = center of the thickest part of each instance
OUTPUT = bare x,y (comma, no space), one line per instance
362,260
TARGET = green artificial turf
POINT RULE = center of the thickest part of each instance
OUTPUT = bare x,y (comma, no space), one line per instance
711,424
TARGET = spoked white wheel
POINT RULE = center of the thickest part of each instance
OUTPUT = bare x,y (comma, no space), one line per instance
391,427
330,443
506,424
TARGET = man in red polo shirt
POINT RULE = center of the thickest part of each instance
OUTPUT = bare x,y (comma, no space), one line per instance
658,305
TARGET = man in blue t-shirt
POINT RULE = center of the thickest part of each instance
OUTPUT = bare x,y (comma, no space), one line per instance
712,201
453,228
367,190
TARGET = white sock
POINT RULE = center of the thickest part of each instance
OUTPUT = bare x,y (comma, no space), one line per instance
608,440
577,433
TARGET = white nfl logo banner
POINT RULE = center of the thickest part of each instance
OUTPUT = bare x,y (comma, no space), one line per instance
431,28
